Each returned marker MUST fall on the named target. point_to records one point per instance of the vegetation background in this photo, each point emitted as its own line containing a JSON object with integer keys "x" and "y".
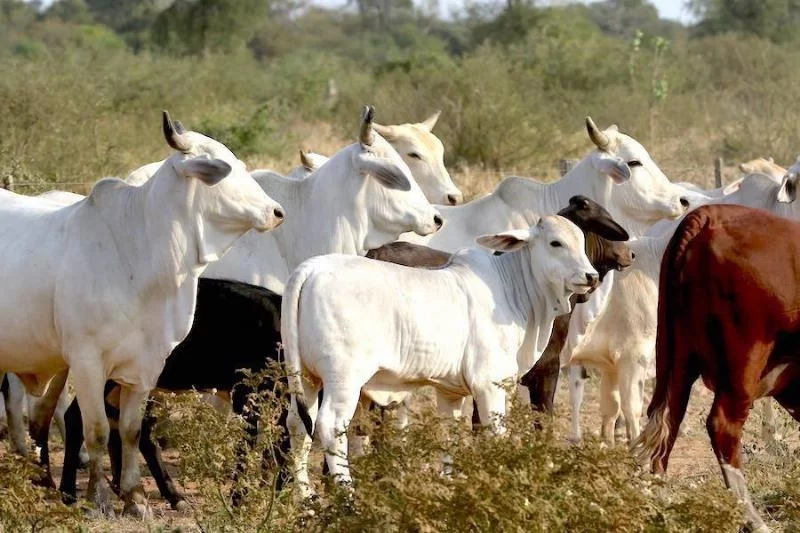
{"x": 82, "y": 83}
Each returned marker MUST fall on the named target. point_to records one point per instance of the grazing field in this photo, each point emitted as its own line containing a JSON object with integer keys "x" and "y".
{"x": 526, "y": 481}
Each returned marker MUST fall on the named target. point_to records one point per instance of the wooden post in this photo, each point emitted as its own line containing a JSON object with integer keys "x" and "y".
{"x": 565, "y": 165}
{"x": 8, "y": 183}
{"x": 718, "y": 172}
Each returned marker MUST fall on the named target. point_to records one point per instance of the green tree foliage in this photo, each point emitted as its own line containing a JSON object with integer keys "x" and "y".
{"x": 772, "y": 19}
{"x": 201, "y": 27}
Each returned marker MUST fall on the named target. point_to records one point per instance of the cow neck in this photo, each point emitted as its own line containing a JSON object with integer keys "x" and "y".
{"x": 649, "y": 251}
{"x": 530, "y": 295}
{"x": 536, "y": 199}
{"x": 322, "y": 216}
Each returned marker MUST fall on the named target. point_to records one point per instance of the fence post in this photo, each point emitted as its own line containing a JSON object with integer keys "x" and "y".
{"x": 565, "y": 165}
{"x": 718, "y": 172}
{"x": 8, "y": 183}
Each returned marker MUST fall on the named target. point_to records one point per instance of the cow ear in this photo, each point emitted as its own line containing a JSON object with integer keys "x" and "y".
{"x": 387, "y": 132}
{"x": 384, "y": 171}
{"x": 209, "y": 171}
{"x": 612, "y": 166}
{"x": 746, "y": 168}
{"x": 608, "y": 228}
{"x": 430, "y": 122}
{"x": 312, "y": 161}
{"x": 788, "y": 191}
{"x": 507, "y": 241}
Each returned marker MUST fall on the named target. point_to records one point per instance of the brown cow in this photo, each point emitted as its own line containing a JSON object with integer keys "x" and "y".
{"x": 729, "y": 312}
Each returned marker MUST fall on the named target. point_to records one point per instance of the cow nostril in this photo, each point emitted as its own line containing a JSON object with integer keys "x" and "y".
{"x": 452, "y": 199}
{"x": 684, "y": 201}
{"x": 278, "y": 213}
{"x": 438, "y": 221}
{"x": 633, "y": 255}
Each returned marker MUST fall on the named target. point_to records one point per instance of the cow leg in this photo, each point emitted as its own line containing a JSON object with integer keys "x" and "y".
{"x": 767, "y": 420}
{"x": 335, "y": 413}
{"x": 39, "y": 421}
{"x": 631, "y": 375}
{"x": 491, "y": 403}
{"x": 301, "y": 441}
{"x": 88, "y": 381}
{"x": 609, "y": 404}
{"x": 359, "y": 442}
{"x": 448, "y": 407}
{"x": 725, "y": 422}
{"x": 576, "y": 385}
{"x": 130, "y": 426}
{"x": 73, "y": 441}
{"x": 239, "y": 398}
{"x": 14, "y": 395}
{"x": 155, "y": 463}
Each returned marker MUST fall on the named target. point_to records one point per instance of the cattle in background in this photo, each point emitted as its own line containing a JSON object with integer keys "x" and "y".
{"x": 459, "y": 329}
{"x": 109, "y": 284}
{"x": 361, "y": 198}
{"x": 619, "y": 175}
{"x": 423, "y": 152}
{"x": 728, "y": 313}
{"x": 763, "y": 166}
{"x": 615, "y": 333}
{"x": 236, "y": 327}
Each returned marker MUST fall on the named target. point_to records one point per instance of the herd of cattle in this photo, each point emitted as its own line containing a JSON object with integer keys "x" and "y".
{"x": 368, "y": 285}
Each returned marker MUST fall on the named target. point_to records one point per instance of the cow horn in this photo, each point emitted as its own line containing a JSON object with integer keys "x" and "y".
{"x": 597, "y": 136}
{"x": 175, "y": 134}
{"x": 367, "y": 136}
{"x": 307, "y": 163}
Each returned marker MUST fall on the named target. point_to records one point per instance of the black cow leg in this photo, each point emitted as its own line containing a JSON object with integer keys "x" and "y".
{"x": 280, "y": 451}
{"x": 239, "y": 401}
{"x": 152, "y": 456}
{"x": 72, "y": 449}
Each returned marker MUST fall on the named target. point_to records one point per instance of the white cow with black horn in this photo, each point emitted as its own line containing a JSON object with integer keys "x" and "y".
{"x": 105, "y": 288}
{"x": 354, "y": 325}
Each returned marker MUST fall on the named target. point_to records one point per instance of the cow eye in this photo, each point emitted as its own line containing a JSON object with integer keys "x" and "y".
{"x": 555, "y": 244}
{"x": 415, "y": 155}
{"x": 634, "y": 163}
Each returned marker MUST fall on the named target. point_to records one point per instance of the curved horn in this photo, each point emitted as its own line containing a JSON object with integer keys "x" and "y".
{"x": 597, "y": 136}
{"x": 174, "y": 134}
{"x": 367, "y": 136}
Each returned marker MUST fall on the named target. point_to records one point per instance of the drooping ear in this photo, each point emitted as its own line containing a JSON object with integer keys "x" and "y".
{"x": 607, "y": 227}
{"x": 384, "y": 171}
{"x": 387, "y": 132}
{"x": 788, "y": 191}
{"x": 507, "y": 241}
{"x": 612, "y": 166}
{"x": 430, "y": 122}
{"x": 209, "y": 171}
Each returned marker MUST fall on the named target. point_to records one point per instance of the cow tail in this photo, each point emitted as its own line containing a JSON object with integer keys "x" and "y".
{"x": 290, "y": 315}
{"x": 671, "y": 374}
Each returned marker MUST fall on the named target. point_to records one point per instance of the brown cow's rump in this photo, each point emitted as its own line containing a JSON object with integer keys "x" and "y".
{"x": 729, "y": 312}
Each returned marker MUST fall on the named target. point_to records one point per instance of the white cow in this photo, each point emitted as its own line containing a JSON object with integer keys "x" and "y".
{"x": 616, "y": 329}
{"x": 105, "y": 288}
{"x": 645, "y": 198}
{"x": 615, "y": 332}
{"x": 423, "y": 152}
{"x": 353, "y": 325}
{"x": 361, "y": 198}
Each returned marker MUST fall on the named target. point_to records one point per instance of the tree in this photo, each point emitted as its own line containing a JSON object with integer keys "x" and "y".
{"x": 772, "y": 19}
{"x": 202, "y": 26}
{"x": 622, "y": 18}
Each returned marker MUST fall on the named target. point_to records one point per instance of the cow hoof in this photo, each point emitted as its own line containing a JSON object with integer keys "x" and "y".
{"x": 183, "y": 507}
{"x": 139, "y": 511}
